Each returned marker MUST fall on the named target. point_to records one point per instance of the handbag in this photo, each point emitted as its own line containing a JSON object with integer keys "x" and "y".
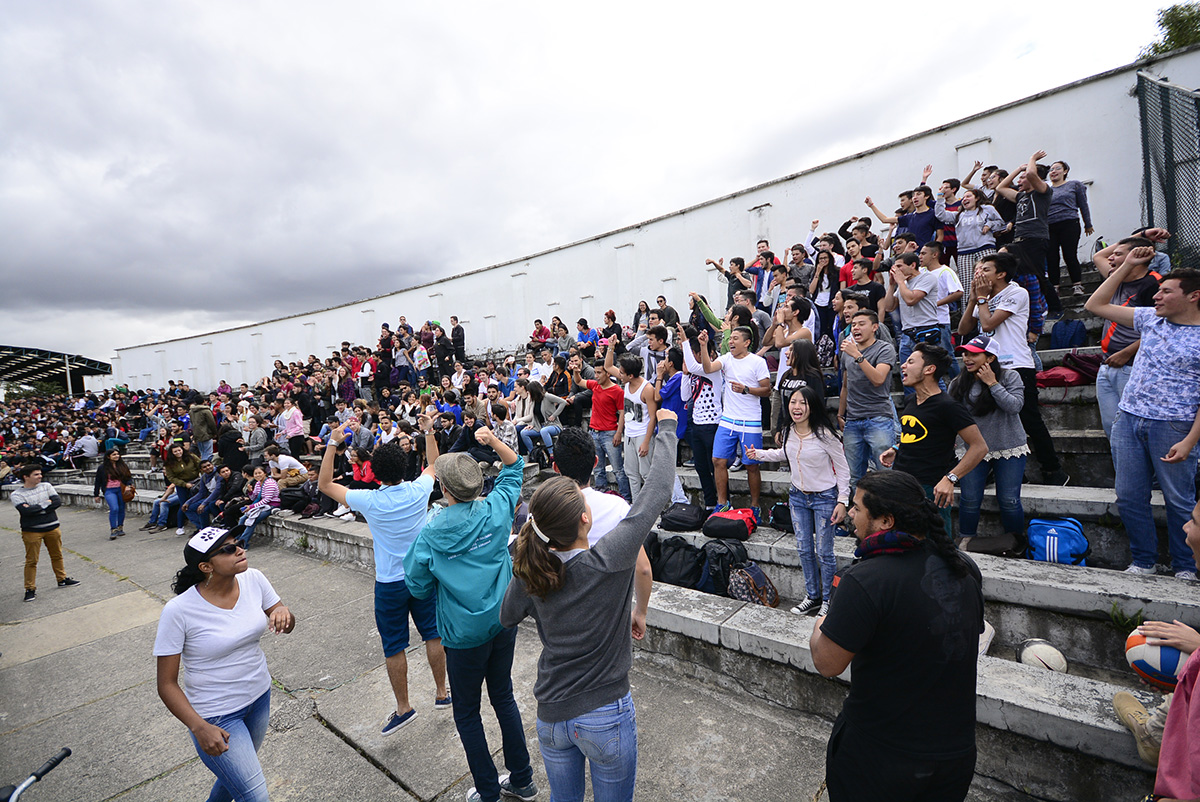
{"x": 128, "y": 492}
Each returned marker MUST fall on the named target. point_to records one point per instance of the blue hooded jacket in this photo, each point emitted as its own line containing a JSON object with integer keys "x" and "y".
{"x": 462, "y": 554}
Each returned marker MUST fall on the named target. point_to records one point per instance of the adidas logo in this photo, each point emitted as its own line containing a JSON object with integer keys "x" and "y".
{"x": 1052, "y": 531}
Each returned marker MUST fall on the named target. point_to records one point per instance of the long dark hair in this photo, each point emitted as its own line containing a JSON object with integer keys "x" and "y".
{"x": 116, "y": 470}
{"x": 804, "y": 354}
{"x": 819, "y": 422}
{"x": 555, "y": 508}
{"x": 960, "y": 390}
{"x": 832, "y": 272}
{"x": 536, "y": 393}
{"x": 899, "y": 495}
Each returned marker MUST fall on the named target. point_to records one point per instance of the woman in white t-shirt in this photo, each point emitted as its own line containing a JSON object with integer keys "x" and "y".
{"x": 212, "y": 628}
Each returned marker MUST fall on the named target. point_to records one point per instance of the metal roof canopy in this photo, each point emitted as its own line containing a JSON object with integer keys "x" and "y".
{"x": 37, "y": 364}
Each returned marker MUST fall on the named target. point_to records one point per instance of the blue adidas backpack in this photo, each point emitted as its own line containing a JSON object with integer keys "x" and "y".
{"x": 1068, "y": 334}
{"x": 1057, "y": 540}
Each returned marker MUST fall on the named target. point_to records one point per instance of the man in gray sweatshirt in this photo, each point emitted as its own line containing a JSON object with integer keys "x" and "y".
{"x": 36, "y": 502}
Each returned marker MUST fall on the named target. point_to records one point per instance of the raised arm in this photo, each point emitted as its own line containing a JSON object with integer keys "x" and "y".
{"x": 883, "y": 218}
{"x": 1100, "y": 303}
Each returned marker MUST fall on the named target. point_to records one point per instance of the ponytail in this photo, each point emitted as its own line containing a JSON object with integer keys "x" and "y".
{"x": 188, "y": 577}
{"x": 554, "y": 514}
{"x": 899, "y": 495}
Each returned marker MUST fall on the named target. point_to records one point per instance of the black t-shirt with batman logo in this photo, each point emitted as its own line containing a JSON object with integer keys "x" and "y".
{"x": 927, "y": 433}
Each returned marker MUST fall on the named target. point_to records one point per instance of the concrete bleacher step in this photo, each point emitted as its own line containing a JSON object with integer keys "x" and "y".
{"x": 1075, "y": 608}
{"x": 1094, "y": 507}
{"x": 1035, "y": 728}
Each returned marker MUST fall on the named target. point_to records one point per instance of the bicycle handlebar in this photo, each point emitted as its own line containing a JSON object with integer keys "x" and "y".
{"x": 50, "y": 764}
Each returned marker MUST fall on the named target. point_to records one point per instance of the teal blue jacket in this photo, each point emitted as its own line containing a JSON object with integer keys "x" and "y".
{"x": 462, "y": 555}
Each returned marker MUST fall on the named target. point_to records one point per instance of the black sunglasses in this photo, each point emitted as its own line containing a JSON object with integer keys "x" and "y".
{"x": 228, "y": 548}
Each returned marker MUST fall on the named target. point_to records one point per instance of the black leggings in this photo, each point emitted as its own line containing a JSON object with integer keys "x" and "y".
{"x": 1064, "y": 237}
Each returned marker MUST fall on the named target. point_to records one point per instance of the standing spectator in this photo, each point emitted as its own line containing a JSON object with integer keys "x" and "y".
{"x": 112, "y": 476}
{"x": 920, "y": 221}
{"x": 459, "y": 339}
{"x": 704, "y": 408}
{"x": 950, "y": 292}
{"x": 1068, "y": 202}
{"x": 580, "y": 596}
{"x": 608, "y": 405}
{"x": 865, "y": 409}
{"x": 204, "y": 429}
{"x": 636, "y": 427}
{"x": 36, "y": 502}
{"x": 1031, "y": 226}
{"x": 1158, "y": 424}
{"x": 747, "y": 380}
{"x": 914, "y": 292}
{"x": 1002, "y": 307}
{"x": 994, "y": 397}
{"x": 1120, "y": 343}
{"x": 975, "y": 227}
{"x": 461, "y": 555}
{"x": 908, "y": 611}
{"x": 212, "y": 629}
{"x": 819, "y": 491}
{"x": 929, "y": 423}
{"x": 293, "y": 428}
{"x": 396, "y": 513}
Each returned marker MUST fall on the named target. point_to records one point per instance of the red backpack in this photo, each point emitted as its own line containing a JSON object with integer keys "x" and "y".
{"x": 1061, "y": 376}
{"x": 732, "y": 524}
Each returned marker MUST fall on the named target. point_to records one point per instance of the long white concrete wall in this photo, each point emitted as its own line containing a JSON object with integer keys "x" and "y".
{"x": 1093, "y": 124}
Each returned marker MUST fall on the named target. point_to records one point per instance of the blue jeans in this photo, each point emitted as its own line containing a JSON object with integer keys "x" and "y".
{"x": 948, "y": 344}
{"x": 198, "y": 519}
{"x": 239, "y": 775}
{"x": 115, "y": 442}
{"x": 607, "y": 738}
{"x": 205, "y": 448}
{"x": 1009, "y": 473}
{"x": 467, "y": 670}
{"x": 1137, "y": 447}
{"x": 814, "y": 538}
{"x": 251, "y": 520}
{"x": 904, "y": 349}
{"x": 1110, "y": 386}
{"x": 547, "y": 433}
{"x": 863, "y": 440}
{"x": 144, "y": 433}
{"x": 608, "y": 454}
{"x": 160, "y": 513}
{"x": 701, "y": 436}
{"x": 116, "y": 507}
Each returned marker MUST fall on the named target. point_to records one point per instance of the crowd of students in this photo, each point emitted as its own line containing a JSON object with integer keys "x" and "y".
{"x": 965, "y": 269}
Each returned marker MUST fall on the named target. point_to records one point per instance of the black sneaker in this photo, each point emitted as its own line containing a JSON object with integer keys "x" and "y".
{"x": 30, "y": 595}
{"x": 526, "y": 793}
{"x": 1058, "y": 478}
{"x": 68, "y": 582}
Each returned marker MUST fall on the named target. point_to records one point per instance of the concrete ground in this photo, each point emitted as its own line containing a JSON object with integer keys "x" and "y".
{"x": 76, "y": 670}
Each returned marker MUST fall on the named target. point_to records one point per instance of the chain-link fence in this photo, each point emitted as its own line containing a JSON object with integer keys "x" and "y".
{"x": 1170, "y": 116}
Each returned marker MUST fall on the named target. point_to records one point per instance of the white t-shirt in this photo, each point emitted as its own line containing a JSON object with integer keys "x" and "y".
{"x": 607, "y": 511}
{"x": 224, "y": 667}
{"x": 749, "y": 370}
{"x": 948, "y": 284}
{"x": 285, "y": 463}
{"x": 1010, "y": 336}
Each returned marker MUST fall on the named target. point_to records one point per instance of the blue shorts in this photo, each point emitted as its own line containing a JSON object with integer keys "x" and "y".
{"x": 729, "y": 444}
{"x": 393, "y": 605}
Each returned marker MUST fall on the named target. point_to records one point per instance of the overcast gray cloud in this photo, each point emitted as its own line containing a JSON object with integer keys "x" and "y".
{"x": 169, "y": 168}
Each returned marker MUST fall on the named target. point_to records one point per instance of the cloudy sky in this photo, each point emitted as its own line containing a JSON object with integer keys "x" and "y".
{"x": 168, "y": 168}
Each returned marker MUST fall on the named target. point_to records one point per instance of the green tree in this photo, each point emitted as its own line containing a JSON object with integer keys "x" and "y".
{"x": 1180, "y": 26}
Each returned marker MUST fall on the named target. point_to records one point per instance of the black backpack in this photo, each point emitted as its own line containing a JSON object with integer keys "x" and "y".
{"x": 675, "y": 561}
{"x": 683, "y": 518}
{"x": 720, "y": 556}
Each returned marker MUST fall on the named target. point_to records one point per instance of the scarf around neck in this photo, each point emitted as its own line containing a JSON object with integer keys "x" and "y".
{"x": 889, "y": 541}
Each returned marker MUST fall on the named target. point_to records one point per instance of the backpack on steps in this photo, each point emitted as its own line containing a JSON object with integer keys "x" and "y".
{"x": 675, "y": 561}
{"x": 682, "y": 517}
{"x": 1068, "y": 334}
{"x": 748, "y": 583}
{"x": 718, "y": 560}
{"x": 1057, "y": 540}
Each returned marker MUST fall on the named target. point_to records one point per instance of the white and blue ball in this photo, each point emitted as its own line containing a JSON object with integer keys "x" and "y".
{"x": 1158, "y": 665}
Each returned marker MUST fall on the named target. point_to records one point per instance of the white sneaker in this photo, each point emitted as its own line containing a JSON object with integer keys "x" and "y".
{"x": 1188, "y": 575}
{"x": 286, "y": 513}
{"x": 347, "y": 517}
{"x": 1137, "y": 569}
{"x": 824, "y": 609}
{"x": 179, "y": 531}
{"x": 341, "y": 510}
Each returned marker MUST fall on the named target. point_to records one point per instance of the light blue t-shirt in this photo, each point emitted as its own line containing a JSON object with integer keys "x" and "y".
{"x": 395, "y": 514}
{"x": 1165, "y": 384}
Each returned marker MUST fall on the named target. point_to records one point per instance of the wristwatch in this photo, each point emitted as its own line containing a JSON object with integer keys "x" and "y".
{"x": 953, "y": 479}
{"x": 858, "y": 360}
